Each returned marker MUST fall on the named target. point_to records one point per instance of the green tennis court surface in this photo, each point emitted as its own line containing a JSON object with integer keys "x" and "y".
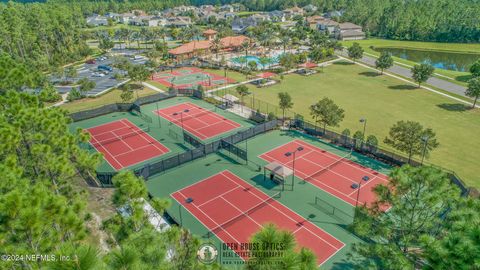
{"x": 163, "y": 131}
{"x": 325, "y": 211}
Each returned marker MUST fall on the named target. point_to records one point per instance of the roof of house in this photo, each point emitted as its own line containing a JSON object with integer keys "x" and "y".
{"x": 352, "y": 33}
{"x": 313, "y": 19}
{"x": 294, "y": 10}
{"x": 327, "y": 22}
{"x": 233, "y": 41}
{"x": 349, "y": 25}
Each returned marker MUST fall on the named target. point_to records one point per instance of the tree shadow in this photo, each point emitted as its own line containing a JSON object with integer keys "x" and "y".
{"x": 463, "y": 78}
{"x": 403, "y": 87}
{"x": 343, "y": 63}
{"x": 453, "y": 107}
{"x": 369, "y": 73}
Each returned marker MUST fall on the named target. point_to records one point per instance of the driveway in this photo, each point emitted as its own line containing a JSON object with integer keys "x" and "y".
{"x": 405, "y": 72}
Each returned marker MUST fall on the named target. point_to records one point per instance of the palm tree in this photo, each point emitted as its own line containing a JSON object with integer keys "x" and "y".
{"x": 285, "y": 39}
{"x": 265, "y": 62}
{"x": 216, "y": 45}
{"x": 242, "y": 91}
{"x": 245, "y": 46}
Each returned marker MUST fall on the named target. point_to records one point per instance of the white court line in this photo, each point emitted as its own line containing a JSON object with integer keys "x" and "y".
{"x": 149, "y": 139}
{"x": 218, "y": 196}
{"x": 287, "y": 216}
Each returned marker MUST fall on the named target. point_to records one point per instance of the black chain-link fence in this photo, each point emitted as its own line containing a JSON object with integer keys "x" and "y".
{"x": 226, "y": 143}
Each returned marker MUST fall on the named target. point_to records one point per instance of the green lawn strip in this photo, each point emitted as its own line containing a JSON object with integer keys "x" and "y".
{"x": 384, "y": 100}
{"x": 107, "y": 98}
{"x": 458, "y": 77}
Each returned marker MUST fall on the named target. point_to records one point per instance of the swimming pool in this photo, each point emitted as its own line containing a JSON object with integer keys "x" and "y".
{"x": 269, "y": 60}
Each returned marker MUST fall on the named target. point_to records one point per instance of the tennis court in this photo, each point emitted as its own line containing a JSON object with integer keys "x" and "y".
{"x": 123, "y": 144}
{"x": 233, "y": 210}
{"x": 337, "y": 175}
{"x": 198, "y": 121}
{"x": 189, "y": 77}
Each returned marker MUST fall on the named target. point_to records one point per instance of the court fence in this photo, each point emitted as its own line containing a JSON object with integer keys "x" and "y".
{"x": 226, "y": 143}
{"x": 298, "y": 122}
{"x": 119, "y": 107}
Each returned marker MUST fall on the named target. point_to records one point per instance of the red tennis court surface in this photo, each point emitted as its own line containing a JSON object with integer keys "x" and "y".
{"x": 329, "y": 172}
{"x": 234, "y": 210}
{"x": 123, "y": 144}
{"x": 200, "y": 122}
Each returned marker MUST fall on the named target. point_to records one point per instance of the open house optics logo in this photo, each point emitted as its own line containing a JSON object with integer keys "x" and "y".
{"x": 207, "y": 253}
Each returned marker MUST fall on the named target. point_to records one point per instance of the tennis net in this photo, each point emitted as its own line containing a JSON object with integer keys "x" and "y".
{"x": 330, "y": 166}
{"x": 247, "y": 212}
{"x": 184, "y": 116}
{"x": 137, "y": 132}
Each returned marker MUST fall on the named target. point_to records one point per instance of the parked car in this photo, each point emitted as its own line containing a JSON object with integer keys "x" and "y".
{"x": 104, "y": 68}
{"x": 91, "y": 61}
{"x": 98, "y": 74}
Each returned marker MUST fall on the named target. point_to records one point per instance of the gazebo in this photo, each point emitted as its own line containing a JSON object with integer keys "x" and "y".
{"x": 278, "y": 173}
{"x": 265, "y": 79}
{"x": 307, "y": 68}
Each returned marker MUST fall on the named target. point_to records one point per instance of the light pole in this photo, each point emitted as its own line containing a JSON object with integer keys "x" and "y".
{"x": 425, "y": 143}
{"x": 287, "y": 154}
{"x": 364, "y": 121}
{"x": 181, "y": 119}
{"x": 365, "y": 178}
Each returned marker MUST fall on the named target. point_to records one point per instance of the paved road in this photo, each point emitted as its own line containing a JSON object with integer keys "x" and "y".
{"x": 405, "y": 72}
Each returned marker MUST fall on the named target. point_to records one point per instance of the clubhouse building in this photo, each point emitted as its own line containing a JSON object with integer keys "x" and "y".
{"x": 201, "y": 47}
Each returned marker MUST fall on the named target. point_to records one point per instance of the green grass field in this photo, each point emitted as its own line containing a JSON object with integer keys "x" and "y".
{"x": 458, "y": 77}
{"x": 383, "y": 101}
{"x": 301, "y": 200}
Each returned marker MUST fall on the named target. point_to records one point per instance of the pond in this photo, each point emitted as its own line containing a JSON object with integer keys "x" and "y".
{"x": 438, "y": 59}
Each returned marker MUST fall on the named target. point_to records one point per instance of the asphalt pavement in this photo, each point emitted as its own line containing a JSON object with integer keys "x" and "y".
{"x": 102, "y": 84}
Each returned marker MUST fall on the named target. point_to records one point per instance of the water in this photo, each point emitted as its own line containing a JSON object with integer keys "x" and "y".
{"x": 271, "y": 60}
{"x": 438, "y": 59}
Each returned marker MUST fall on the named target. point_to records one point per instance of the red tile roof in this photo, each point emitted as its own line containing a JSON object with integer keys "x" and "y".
{"x": 210, "y": 32}
{"x": 266, "y": 75}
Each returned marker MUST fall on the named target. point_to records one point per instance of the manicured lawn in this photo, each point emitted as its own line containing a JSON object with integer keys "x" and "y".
{"x": 384, "y": 100}
{"x": 108, "y": 98}
{"x": 459, "y": 77}
{"x": 237, "y": 76}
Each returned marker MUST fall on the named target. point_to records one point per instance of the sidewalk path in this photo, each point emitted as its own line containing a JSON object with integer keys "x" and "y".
{"x": 405, "y": 72}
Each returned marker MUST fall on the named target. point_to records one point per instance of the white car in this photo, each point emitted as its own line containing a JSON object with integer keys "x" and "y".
{"x": 98, "y": 74}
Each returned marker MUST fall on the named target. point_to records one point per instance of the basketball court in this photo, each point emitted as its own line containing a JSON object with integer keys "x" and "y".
{"x": 123, "y": 144}
{"x": 190, "y": 77}
{"x": 198, "y": 121}
{"x": 339, "y": 176}
{"x": 233, "y": 210}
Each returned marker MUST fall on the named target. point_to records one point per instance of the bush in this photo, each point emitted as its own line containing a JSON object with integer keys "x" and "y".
{"x": 345, "y": 135}
{"x": 358, "y": 139}
{"x": 372, "y": 143}
{"x": 271, "y": 116}
{"x": 74, "y": 94}
{"x": 213, "y": 101}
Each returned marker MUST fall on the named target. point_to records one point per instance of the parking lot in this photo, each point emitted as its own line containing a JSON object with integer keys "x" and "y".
{"x": 103, "y": 81}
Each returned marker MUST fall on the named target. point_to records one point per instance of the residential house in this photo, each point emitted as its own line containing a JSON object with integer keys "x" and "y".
{"x": 277, "y": 16}
{"x": 334, "y": 14}
{"x": 294, "y": 11}
{"x": 139, "y": 12}
{"x": 140, "y": 20}
{"x": 240, "y": 25}
{"x": 313, "y": 20}
{"x": 327, "y": 26}
{"x": 227, "y": 8}
{"x": 125, "y": 18}
{"x": 260, "y": 17}
{"x": 227, "y": 15}
{"x": 349, "y": 31}
{"x": 97, "y": 20}
{"x": 207, "y": 8}
{"x": 180, "y": 21}
{"x": 310, "y": 8}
